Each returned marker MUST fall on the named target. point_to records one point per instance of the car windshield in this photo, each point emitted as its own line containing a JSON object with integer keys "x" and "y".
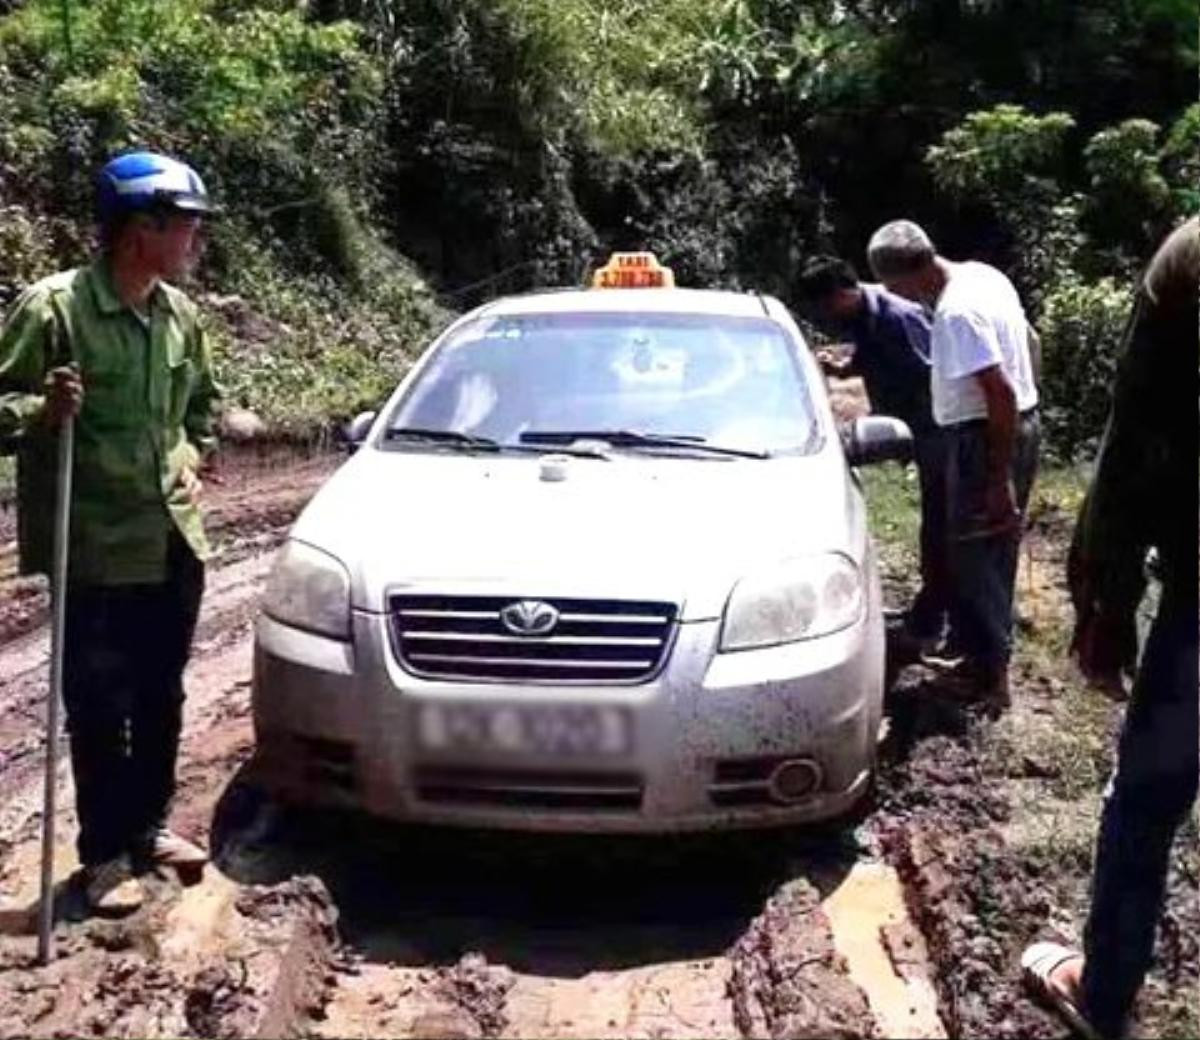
{"x": 517, "y": 379}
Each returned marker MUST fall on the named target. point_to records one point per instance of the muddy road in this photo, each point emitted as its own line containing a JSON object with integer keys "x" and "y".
{"x": 907, "y": 922}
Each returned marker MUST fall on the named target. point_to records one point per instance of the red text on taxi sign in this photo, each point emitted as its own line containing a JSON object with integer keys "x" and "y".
{"x": 633, "y": 271}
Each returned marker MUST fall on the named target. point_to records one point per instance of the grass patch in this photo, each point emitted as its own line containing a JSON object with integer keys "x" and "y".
{"x": 893, "y": 496}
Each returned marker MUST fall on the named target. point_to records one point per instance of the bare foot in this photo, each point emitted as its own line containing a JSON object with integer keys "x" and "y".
{"x": 1067, "y": 977}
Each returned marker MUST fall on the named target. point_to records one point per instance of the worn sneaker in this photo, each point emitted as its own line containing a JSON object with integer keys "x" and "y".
{"x": 945, "y": 660}
{"x": 111, "y": 888}
{"x": 171, "y": 850}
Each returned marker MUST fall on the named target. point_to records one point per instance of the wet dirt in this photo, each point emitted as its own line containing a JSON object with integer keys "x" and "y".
{"x": 884, "y": 951}
{"x": 789, "y": 980}
{"x": 951, "y": 791}
{"x": 508, "y": 935}
{"x": 974, "y": 902}
{"x": 260, "y": 974}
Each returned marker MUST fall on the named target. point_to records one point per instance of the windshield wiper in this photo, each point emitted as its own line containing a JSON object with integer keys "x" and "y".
{"x": 471, "y": 442}
{"x": 451, "y": 438}
{"x": 637, "y": 439}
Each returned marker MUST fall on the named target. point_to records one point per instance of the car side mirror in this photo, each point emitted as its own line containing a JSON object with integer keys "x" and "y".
{"x": 877, "y": 438}
{"x": 355, "y": 431}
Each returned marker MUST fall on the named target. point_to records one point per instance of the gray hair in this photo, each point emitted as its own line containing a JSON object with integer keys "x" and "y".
{"x": 900, "y": 247}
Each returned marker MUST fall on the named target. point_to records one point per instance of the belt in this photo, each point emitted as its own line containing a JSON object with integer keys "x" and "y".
{"x": 969, "y": 424}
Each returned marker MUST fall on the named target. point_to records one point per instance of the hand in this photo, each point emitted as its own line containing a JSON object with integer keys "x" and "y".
{"x": 191, "y": 483}
{"x": 1103, "y": 648}
{"x": 830, "y": 363}
{"x": 1000, "y": 506}
{"x": 64, "y": 395}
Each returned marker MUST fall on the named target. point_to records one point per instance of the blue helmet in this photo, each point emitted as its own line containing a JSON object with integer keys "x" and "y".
{"x": 141, "y": 182}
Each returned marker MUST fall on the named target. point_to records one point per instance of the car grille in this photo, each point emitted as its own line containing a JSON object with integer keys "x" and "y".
{"x": 595, "y": 641}
{"x": 594, "y": 792}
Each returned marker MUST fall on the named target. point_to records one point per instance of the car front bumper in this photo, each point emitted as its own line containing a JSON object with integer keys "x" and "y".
{"x": 338, "y": 724}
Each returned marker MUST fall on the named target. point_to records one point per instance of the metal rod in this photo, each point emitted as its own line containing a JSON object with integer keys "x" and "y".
{"x": 58, "y": 595}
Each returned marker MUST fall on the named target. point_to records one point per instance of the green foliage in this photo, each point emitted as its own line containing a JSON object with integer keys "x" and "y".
{"x": 1081, "y": 328}
{"x": 280, "y": 112}
{"x": 216, "y": 67}
{"x": 27, "y": 248}
{"x": 1129, "y": 199}
{"x": 1001, "y": 155}
{"x": 1181, "y": 160}
{"x": 1009, "y": 161}
{"x": 507, "y": 144}
{"x": 302, "y": 350}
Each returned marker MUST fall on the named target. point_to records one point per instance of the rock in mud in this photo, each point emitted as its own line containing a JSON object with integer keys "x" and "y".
{"x": 240, "y": 425}
{"x": 480, "y": 990}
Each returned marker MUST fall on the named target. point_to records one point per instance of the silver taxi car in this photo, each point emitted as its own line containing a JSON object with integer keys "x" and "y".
{"x": 601, "y": 562}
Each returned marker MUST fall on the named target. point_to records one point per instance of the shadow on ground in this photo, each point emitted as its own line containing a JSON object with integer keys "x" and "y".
{"x": 551, "y": 905}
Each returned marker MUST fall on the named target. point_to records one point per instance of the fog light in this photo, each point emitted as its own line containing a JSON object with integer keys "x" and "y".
{"x": 794, "y": 780}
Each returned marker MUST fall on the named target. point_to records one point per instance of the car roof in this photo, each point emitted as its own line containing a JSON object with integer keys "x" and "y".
{"x": 615, "y": 301}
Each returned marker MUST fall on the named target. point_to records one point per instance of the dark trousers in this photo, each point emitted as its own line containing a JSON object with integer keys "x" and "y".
{"x": 1149, "y": 795}
{"x": 931, "y": 606}
{"x": 127, "y": 646}
{"x": 984, "y": 569}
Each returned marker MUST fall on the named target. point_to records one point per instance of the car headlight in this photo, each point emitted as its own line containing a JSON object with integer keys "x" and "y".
{"x": 799, "y": 599}
{"x": 309, "y": 589}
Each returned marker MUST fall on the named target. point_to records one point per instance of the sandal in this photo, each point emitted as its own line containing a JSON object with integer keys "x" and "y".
{"x": 1037, "y": 964}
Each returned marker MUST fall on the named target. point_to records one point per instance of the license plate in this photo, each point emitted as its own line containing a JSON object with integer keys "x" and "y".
{"x": 536, "y": 729}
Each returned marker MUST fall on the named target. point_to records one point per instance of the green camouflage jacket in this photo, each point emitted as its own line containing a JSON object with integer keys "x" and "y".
{"x": 148, "y": 412}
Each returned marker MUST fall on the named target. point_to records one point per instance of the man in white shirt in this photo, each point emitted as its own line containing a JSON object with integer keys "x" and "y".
{"x": 985, "y": 395}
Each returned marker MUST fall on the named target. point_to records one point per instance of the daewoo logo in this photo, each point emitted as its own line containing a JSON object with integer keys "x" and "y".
{"x": 529, "y": 617}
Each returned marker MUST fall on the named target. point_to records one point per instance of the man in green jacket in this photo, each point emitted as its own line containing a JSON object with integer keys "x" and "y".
{"x": 115, "y": 347}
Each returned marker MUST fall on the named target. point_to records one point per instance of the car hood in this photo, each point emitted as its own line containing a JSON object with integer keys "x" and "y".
{"x": 679, "y": 529}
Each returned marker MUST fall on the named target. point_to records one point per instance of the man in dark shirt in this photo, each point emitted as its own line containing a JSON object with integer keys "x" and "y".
{"x": 891, "y": 353}
{"x": 1144, "y": 495}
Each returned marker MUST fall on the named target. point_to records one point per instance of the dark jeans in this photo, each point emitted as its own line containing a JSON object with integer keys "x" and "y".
{"x": 1149, "y": 795}
{"x": 930, "y": 607}
{"x": 127, "y": 646}
{"x": 984, "y": 569}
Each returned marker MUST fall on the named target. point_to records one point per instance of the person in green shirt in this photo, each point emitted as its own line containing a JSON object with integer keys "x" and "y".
{"x": 114, "y": 346}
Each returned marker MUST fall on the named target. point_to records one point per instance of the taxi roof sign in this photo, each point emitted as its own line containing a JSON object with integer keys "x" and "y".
{"x": 633, "y": 271}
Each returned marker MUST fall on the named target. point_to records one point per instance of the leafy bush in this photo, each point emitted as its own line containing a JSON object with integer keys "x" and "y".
{"x": 31, "y": 245}
{"x": 306, "y": 350}
{"x": 1081, "y": 327}
{"x": 1129, "y": 201}
{"x": 280, "y": 112}
{"x": 1181, "y": 160}
{"x": 507, "y": 144}
{"x": 1010, "y": 161}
